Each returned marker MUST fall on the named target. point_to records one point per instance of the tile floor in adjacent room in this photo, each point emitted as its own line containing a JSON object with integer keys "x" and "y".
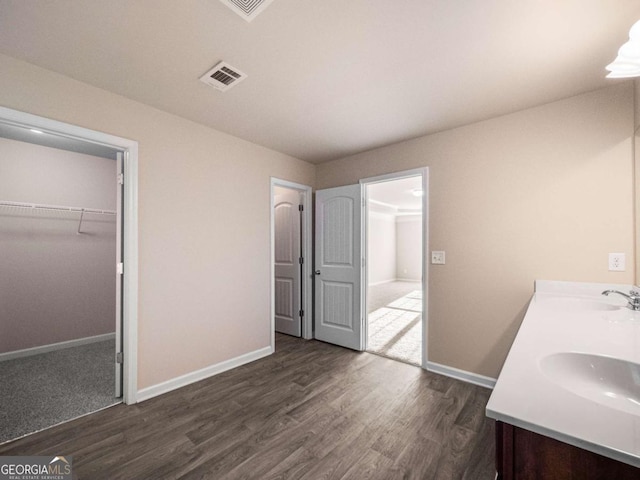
{"x": 394, "y": 327}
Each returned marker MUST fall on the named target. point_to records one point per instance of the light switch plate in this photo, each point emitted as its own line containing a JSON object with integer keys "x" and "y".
{"x": 437, "y": 257}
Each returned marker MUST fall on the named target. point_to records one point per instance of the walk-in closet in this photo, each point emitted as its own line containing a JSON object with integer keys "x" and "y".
{"x": 58, "y": 279}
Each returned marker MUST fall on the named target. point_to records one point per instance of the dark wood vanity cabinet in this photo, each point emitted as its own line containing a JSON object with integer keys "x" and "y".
{"x": 524, "y": 455}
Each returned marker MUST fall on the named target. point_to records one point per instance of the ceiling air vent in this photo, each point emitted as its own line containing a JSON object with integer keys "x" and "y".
{"x": 223, "y": 76}
{"x": 247, "y": 9}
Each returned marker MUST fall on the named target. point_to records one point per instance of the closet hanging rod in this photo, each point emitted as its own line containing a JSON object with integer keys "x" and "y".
{"x": 58, "y": 208}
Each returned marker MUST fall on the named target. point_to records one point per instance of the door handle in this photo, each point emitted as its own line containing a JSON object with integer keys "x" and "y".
{"x": 317, "y": 272}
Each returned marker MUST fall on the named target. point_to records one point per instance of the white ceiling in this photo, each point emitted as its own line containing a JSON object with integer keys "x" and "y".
{"x": 397, "y": 193}
{"x": 328, "y": 78}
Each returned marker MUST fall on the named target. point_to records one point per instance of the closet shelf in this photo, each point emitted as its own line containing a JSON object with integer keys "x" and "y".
{"x": 57, "y": 208}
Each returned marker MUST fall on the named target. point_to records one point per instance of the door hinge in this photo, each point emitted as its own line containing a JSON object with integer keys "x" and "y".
{"x": 301, "y": 312}
{"x": 121, "y": 179}
{"x": 301, "y": 208}
{"x": 301, "y": 260}
{"x": 120, "y": 268}
{"x": 119, "y": 357}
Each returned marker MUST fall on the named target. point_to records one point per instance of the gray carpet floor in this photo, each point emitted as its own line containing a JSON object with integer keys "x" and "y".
{"x": 43, "y": 390}
{"x": 379, "y": 296}
{"x": 394, "y": 327}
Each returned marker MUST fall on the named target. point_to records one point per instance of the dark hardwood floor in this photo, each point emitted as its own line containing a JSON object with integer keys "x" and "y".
{"x": 310, "y": 411}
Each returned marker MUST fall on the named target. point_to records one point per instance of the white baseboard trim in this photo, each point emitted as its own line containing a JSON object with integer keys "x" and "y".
{"x": 210, "y": 371}
{"x": 413, "y": 280}
{"x": 382, "y": 282}
{"x": 27, "y": 352}
{"x": 463, "y": 375}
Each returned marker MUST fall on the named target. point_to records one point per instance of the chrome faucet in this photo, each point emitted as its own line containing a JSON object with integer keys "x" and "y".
{"x": 633, "y": 297}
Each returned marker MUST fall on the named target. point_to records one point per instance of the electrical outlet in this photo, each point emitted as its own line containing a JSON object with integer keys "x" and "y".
{"x": 437, "y": 257}
{"x": 616, "y": 262}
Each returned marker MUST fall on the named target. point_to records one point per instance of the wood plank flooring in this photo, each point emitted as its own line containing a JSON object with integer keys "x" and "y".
{"x": 310, "y": 411}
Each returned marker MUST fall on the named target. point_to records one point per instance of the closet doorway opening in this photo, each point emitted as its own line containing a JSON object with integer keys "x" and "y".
{"x": 66, "y": 316}
{"x": 291, "y": 283}
{"x": 394, "y": 242}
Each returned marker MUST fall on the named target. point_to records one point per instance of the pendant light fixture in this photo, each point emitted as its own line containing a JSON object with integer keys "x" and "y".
{"x": 627, "y": 63}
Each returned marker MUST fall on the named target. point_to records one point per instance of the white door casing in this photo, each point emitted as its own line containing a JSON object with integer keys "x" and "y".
{"x": 306, "y": 199}
{"x": 424, "y": 174}
{"x": 287, "y": 266}
{"x": 119, "y": 180}
{"x": 338, "y": 266}
{"x": 129, "y": 223}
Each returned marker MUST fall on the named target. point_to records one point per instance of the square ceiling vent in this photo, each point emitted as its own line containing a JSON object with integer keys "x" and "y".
{"x": 247, "y": 9}
{"x": 223, "y": 76}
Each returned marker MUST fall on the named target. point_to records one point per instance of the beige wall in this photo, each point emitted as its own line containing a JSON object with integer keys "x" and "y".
{"x": 409, "y": 243}
{"x": 636, "y": 87}
{"x": 636, "y": 119}
{"x": 277, "y": 190}
{"x": 55, "y": 285}
{"x": 204, "y": 258}
{"x": 544, "y": 193}
{"x": 381, "y": 249}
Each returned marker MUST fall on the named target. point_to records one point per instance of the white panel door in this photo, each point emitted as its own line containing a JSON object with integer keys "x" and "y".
{"x": 338, "y": 308}
{"x": 118, "y": 352}
{"x": 288, "y": 269}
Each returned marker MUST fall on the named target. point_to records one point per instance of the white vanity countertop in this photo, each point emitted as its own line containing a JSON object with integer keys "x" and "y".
{"x": 566, "y": 317}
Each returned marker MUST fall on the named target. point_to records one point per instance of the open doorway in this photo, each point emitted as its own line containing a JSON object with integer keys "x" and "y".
{"x": 342, "y": 262}
{"x": 69, "y": 312}
{"x": 59, "y": 229}
{"x": 394, "y": 273}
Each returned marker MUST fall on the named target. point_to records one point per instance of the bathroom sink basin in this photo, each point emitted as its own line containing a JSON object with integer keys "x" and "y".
{"x": 573, "y": 304}
{"x": 605, "y": 380}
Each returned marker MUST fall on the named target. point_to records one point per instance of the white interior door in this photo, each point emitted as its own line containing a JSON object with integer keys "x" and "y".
{"x": 288, "y": 266}
{"x": 118, "y": 352}
{"x": 338, "y": 304}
